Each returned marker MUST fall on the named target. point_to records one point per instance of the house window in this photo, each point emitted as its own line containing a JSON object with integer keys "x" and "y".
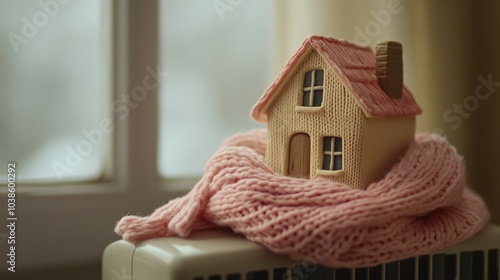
{"x": 313, "y": 88}
{"x": 332, "y": 153}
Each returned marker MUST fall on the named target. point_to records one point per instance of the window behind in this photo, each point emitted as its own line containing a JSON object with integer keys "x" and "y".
{"x": 217, "y": 54}
{"x": 52, "y": 96}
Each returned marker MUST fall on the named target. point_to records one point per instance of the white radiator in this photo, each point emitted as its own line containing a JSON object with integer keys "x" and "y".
{"x": 222, "y": 255}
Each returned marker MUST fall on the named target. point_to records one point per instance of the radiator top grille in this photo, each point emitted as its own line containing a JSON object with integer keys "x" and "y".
{"x": 471, "y": 265}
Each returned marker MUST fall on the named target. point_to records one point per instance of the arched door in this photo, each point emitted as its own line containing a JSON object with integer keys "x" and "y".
{"x": 299, "y": 155}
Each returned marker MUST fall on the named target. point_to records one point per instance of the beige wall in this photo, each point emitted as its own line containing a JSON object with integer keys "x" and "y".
{"x": 458, "y": 47}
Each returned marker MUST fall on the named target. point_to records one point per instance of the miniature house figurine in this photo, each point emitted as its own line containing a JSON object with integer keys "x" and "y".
{"x": 338, "y": 111}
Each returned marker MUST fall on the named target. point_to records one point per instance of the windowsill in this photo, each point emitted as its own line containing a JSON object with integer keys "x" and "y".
{"x": 62, "y": 189}
{"x": 303, "y": 109}
{"x": 174, "y": 187}
{"x": 329, "y": 172}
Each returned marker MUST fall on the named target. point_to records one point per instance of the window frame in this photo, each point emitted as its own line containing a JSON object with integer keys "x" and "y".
{"x": 332, "y": 153}
{"x": 300, "y": 108}
{"x": 312, "y": 87}
{"x": 72, "y": 222}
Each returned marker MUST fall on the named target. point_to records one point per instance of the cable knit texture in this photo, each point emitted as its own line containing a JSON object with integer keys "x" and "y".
{"x": 421, "y": 205}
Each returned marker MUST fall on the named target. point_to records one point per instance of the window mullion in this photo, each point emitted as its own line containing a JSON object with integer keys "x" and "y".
{"x": 143, "y": 121}
{"x": 120, "y": 77}
{"x": 135, "y": 97}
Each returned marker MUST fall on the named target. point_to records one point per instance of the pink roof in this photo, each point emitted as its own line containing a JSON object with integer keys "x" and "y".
{"x": 356, "y": 66}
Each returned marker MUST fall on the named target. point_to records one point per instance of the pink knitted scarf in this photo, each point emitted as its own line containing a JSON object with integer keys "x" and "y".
{"x": 420, "y": 206}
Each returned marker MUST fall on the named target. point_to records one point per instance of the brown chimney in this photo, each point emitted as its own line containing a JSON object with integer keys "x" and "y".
{"x": 390, "y": 68}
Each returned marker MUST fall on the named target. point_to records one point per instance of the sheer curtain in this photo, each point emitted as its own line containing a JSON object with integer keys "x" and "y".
{"x": 451, "y": 64}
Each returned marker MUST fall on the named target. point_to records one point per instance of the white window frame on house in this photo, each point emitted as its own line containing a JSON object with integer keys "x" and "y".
{"x": 333, "y": 152}
{"x": 67, "y": 223}
{"x": 312, "y": 88}
{"x": 300, "y": 107}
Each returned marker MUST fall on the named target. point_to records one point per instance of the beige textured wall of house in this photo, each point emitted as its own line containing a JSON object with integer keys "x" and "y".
{"x": 384, "y": 141}
{"x": 340, "y": 117}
